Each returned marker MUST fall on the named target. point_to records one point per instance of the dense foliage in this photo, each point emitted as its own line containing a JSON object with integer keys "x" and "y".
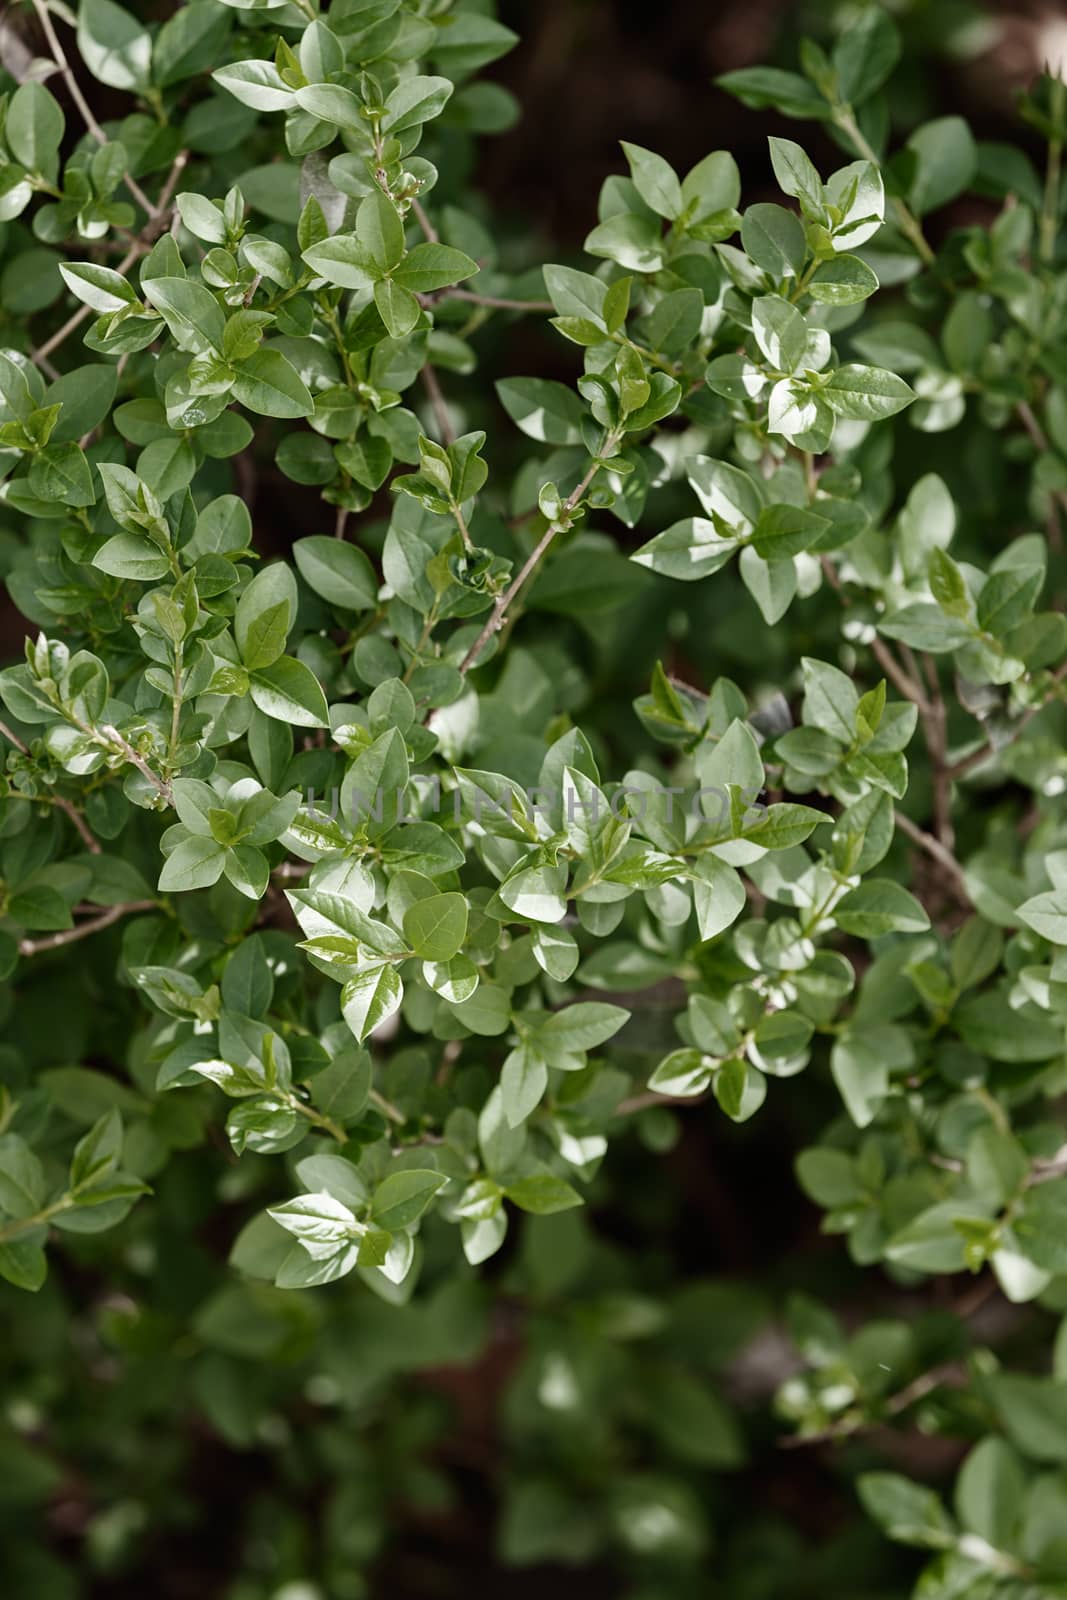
{"x": 363, "y": 919}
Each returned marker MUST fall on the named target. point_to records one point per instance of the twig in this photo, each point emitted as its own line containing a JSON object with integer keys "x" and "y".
{"x": 340, "y": 522}
{"x": 496, "y": 616}
{"x": 440, "y": 406}
{"x": 909, "y": 224}
{"x": 649, "y": 1097}
{"x": 935, "y": 728}
{"x": 40, "y": 355}
{"x": 82, "y": 104}
{"x": 424, "y": 222}
{"x": 937, "y": 850}
{"x": 909, "y": 687}
{"x": 1050, "y": 201}
{"x": 959, "y": 769}
{"x": 1046, "y": 1170}
{"x": 953, "y": 1372}
{"x": 112, "y": 734}
{"x": 60, "y": 801}
{"x": 14, "y": 739}
{"x": 499, "y": 302}
{"x": 53, "y": 941}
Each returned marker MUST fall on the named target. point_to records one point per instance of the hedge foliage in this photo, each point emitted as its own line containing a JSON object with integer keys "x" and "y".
{"x": 379, "y": 903}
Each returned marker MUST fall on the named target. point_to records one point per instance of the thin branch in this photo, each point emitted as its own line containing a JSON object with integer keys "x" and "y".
{"x": 938, "y": 851}
{"x": 58, "y": 800}
{"x": 935, "y": 729}
{"x": 177, "y": 168}
{"x": 499, "y": 302}
{"x": 950, "y": 1372}
{"x": 53, "y": 941}
{"x": 909, "y": 688}
{"x": 960, "y": 769}
{"x": 496, "y": 616}
{"x": 82, "y": 104}
{"x": 440, "y": 406}
{"x": 13, "y": 738}
{"x": 649, "y": 1097}
{"x": 424, "y": 222}
{"x": 112, "y": 734}
{"x": 139, "y": 248}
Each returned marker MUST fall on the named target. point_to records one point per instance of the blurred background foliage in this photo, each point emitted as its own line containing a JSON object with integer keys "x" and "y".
{"x": 595, "y": 1415}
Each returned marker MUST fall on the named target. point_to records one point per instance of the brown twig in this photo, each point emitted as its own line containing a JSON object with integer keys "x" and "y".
{"x": 153, "y": 226}
{"x": 53, "y": 941}
{"x": 440, "y": 406}
{"x": 60, "y": 801}
{"x": 935, "y": 730}
{"x": 950, "y": 1372}
{"x": 499, "y": 302}
{"x": 60, "y": 57}
{"x": 938, "y": 851}
{"x": 112, "y": 734}
{"x": 496, "y": 616}
{"x": 960, "y": 769}
{"x": 424, "y": 222}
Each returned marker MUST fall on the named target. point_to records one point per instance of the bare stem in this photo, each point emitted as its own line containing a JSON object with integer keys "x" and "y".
{"x": 53, "y": 941}
{"x": 40, "y": 356}
{"x": 80, "y": 101}
{"x": 496, "y": 616}
{"x": 437, "y": 400}
{"x": 909, "y": 224}
{"x": 60, "y": 801}
{"x": 499, "y": 302}
{"x": 112, "y": 735}
{"x": 938, "y": 851}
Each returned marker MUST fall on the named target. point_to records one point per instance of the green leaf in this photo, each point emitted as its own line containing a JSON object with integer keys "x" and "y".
{"x": 433, "y": 266}
{"x": 631, "y": 240}
{"x": 437, "y": 926}
{"x": 774, "y": 238}
{"x": 399, "y": 309}
{"x": 290, "y": 692}
{"x": 1047, "y": 915}
{"x": 415, "y": 101}
{"x": 380, "y": 230}
{"x": 402, "y": 1197}
{"x": 34, "y": 128}
{"x": 945, "y": 161}
{"x": 865, "y": 54}
{"x": 788, "y": 92}
{"x": 655, "y": 181}
{"x": 796, "y": 175}
{"x": 190, "y": 311}
{"x": 270, "y": 385}
{"x": 543, "y": 409}
{"x": 844, "y": 281}
{"x": 264, "y": 616}
{"x": 718, "y": 895}
{"x": 113, "y": 44}
{"x": 880, "y": 906}
{"x": 866, "y": 394}
{"x": 369, "y": 998}
{"x": 907, "y": 1512}
{"x": 337, "y": 571}
{"x": 344, "y": 261}
{"x": 194, "y": 864}
{"x": 582, "y": 1026}
{"x": 543, "y": 1194}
